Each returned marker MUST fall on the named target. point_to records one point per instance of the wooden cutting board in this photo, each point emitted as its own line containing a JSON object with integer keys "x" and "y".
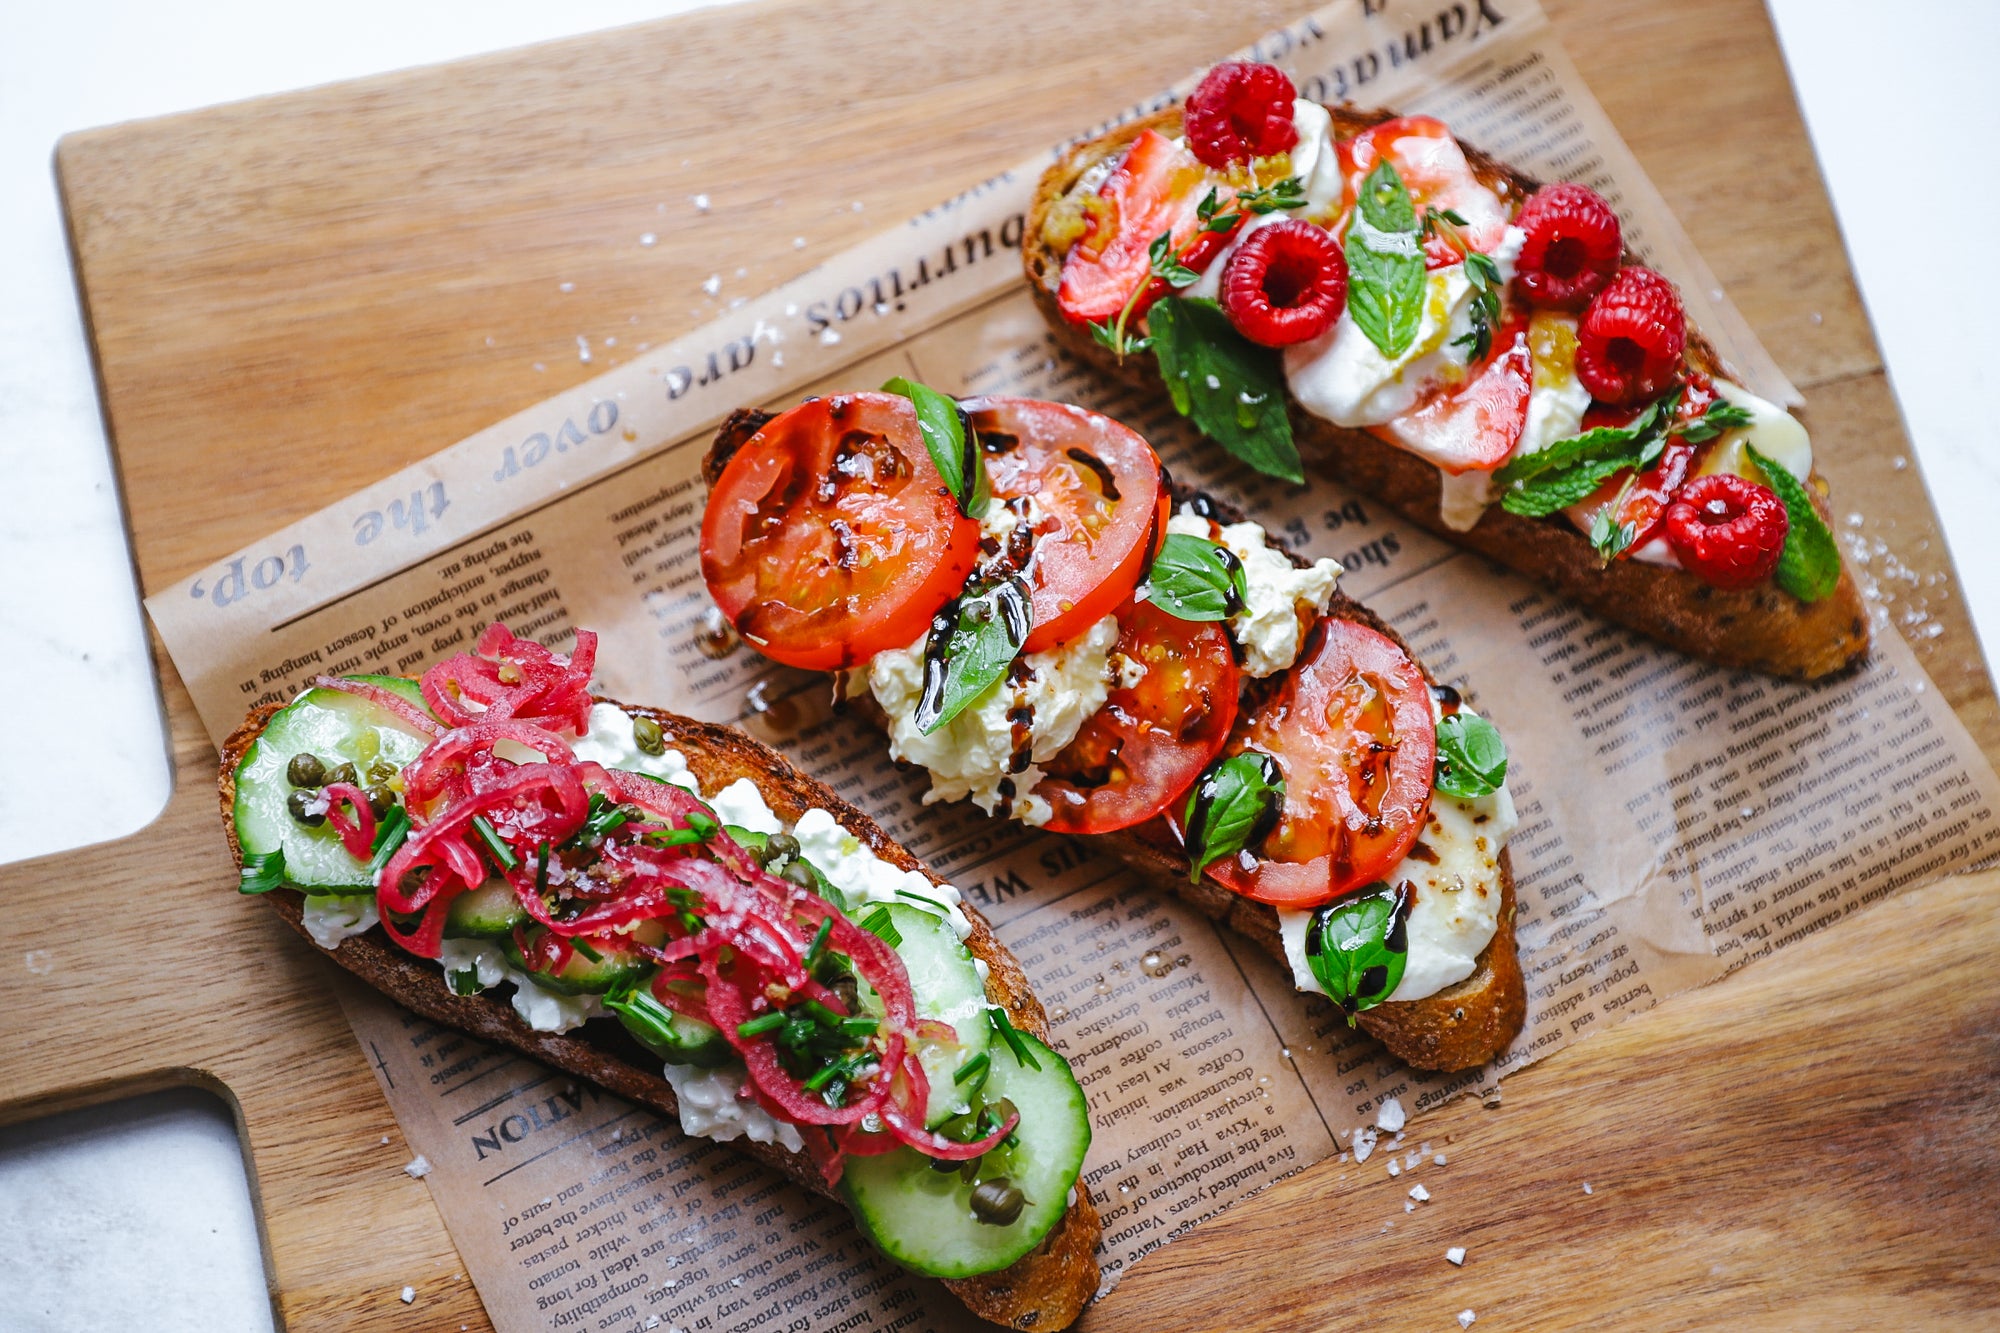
{"x": 289, "y": 295}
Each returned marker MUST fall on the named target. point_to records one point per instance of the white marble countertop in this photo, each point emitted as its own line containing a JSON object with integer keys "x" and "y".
{"x": 76, "y": 644}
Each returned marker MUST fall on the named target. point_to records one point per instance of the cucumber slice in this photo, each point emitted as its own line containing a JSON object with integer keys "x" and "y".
{"x": 338, "y": 728}
{"x": 947, "y": 988}
{"x": 922, "y": 1218}
{"x": 674, "y": 1037}
{"x": 612, "y": 969}
{"x": 489, "y": 912}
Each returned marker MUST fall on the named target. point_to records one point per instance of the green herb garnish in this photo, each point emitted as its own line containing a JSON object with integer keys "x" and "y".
{"x": 1004, "y": 1027}
{"x": 1234, "y": 804}
{"x": 1232, "y": 389}
{"x": 1196, "y": 579}
{"x": 972, "y": 643}
{"x": 878, "y": 924}
{"x": 390, "y": 834}
{"x": 1809, "y": 564}
{"x": 1357, "y": 949}
{"x": 1385, "y": 263}
{"x": 1471, "y": 757}
{"x": 503, "y": 855}
{"x": 262, "y": 871}
{"x": 953, "y": 444}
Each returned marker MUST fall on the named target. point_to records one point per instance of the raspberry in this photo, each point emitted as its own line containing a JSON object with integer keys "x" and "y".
{"x": 1240, "y": 111}
{"x": 1629, "y": 343}
{"x": 1727, "y": 529}
{"x": 1286, "y": 283}
{"x": 1572, "y": 246}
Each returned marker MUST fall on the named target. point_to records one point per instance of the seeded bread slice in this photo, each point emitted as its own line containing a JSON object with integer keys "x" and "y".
{"x": 1464, "y": 1025}
{"x": 1045, "y": 1290}
{"x": 1761, "y": 628}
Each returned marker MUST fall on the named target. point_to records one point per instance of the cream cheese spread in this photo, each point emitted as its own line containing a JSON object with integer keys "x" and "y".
{"x": 1267, "y": 627}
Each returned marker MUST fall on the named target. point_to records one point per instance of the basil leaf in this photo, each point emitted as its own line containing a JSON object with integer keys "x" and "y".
{"x": 954, "y": 445}
{"x": 262, "y": 871}
{"x": 972, "y": 643}
{"x": 1471, "y": 757}
{"x": 1809, "y": 565}
{"x": 1385, "y": 263}
{"x": 1232, "y": 389}
{"x": 1357, "y": 949}
{"x": 1234, "y": 804}
{"x": 1196, "y": 579}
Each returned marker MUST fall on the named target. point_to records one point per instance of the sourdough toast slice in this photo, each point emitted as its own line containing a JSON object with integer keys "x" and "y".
{"x": 1464, "y": 1025}
{"x": 1761, "y": 628}
{"x": 1045, "y": 1290}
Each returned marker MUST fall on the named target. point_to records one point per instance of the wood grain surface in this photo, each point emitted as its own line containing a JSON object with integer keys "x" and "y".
{"x": 290, "y": 295}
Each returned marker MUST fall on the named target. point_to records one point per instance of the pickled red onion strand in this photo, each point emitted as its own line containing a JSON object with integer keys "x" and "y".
{"x": 386, "y": 700}
{"x": 357, "y": 835}
{"x": 427, "y": 941}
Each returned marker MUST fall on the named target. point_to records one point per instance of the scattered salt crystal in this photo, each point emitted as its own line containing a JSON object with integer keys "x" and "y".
{"x": 1409, "y": 1207}
{"x": 1465, "y": 1317}
{"x": 583, "y": 349}
{"x": 1437, "y": 1159}
{"x": 1420, "y": 1194}
{"x": 1390, "y": 1116}
{"x": 1455, "y": 1255}
{"x": 1214, "y": 383}
{"x": 701, "y": 203}
{"x": 857, "y": 205}
{"x": 1411, "y": 1159}
{"x": 791, "y": 309}
{"x": 647, "y": 238}
{"x": 777, "y": 358}
{"x": 408, "y": 1295}
{"x": 565, "y": 286}
{"x": 385, "y": 1140}
{"x": 736, "y": 1282}
{"x": 829, "y": 337}
{"x": 419, "y": 1167}
{"x": 489, "y": 340}
{"x": 1586, "y": 1187}
{"x": 1364, "y": 1143}
{"x": 798, "y": 242}
{"x": 713, "y": 284}
{"x": 1395, "y": 1167}
{"x": 652, "y": 1321}
{"x": 1815, "y": 316}
{"x": 540, "y": 368}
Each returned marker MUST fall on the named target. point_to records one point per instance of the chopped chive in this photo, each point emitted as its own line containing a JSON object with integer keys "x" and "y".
{"x": 818, "y": 946}
{"x": 390, "y": 835}
{"x": 262, "y": 871}
{"x": 877, "y": 923}
{"x": 583, "y": 947}
{"x": 942, "y": 909}
{"x": 541, "y": 869}
{"x": 858, "y": 1026}
{"x": 704, "y": 826}
{"x": 503, "y": 855}
{"x": 976, "y": 1067}
{"x": 1012, "y": 1036}
{"x": 677, "y": 837}
{"x": 690, "y": 922}
{"x": 758, "y": 1026}
{"x": 819, "y": 1013}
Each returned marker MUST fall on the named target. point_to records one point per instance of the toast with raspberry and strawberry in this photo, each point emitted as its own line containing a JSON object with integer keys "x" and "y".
{"x": 1426, "y": 325}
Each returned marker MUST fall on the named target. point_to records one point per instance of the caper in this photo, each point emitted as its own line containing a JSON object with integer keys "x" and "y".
{"x": 781, "y": 847}
{"x": 1003, "y": 1111}
{"x": 997, "y": 1202}
{"x": 799, "y": 873}
{"x": 380, "y": 800}
{"x": 305, "y": 770}
{"x": 968, "y": 1170}
{"x": 301, "y": 804}
{"x": 944, "y": 1165}
{"x": 380, "y": 772}
{"x": 344, "y": 773}
{"x": 646, "y": 735}
{"x": 849, "y": 992}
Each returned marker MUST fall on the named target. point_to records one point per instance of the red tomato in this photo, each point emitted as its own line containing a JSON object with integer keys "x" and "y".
{"x": 830, "y": 536}
{"x": 1155, "y": 189}
{"x": 1148, "y": 744}
{"x": 1103, "y": 499}
{"x": 1435, "y": 172}
{"x": 1352, "y": 729}
{"x": 1478, "y": 423}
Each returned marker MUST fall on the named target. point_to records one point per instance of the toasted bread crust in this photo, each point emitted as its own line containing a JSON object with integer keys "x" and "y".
{"x": 1759, "y": 628}
{"x": 1045, "y": 1290}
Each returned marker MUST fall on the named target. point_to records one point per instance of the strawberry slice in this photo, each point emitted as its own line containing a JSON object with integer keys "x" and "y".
{"x": 1157, "y": 188}
{"x": 1645, "y": 504}
{"x": 1436, "y": 174}
{"x": 1474, "y": 425}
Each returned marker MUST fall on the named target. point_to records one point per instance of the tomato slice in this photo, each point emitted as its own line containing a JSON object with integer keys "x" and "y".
{"x": 830, "y": 536}
{"x": 1435, "y": 172}
{"x": 1103, "y": 502}
{"x": 1148, "y": 744}
{"x": 1157, "y": 188}
{"x": 1353, "y": 731}
{"x": 1478, "y": 423}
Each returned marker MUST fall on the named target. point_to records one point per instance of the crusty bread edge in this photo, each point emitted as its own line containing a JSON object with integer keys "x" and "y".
{"x": 1760, "y": 628}
{"x": 1047, "y": 1289}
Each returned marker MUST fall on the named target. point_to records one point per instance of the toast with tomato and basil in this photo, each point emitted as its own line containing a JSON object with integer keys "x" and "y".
{"x": 667, "y": 908}
{"x": 1016, "y": 594}
{"x": 1360, "y": 292}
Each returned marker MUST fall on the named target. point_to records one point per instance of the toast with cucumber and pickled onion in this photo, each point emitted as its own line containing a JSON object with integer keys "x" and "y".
{"x": 669, "y": 909}
{"x": 1360, "y": 292}
{"x": 1033, "y": 614}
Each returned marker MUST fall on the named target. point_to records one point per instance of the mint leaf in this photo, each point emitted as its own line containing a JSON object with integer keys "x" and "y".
{"x": 1809, "y": 565}
{"x": 262, "y": 871}
{"x": 1358, "y": 949}
{"x": 972, "y": 643}
{"x": 1196, "y": 579}
{"x": 1566, "y": 472}
{"x": 1232, "y": 389}
{"x": 953, "y": 444}
{"x": 1165, "y": 264}
{"x": 1471, "y": 757}
{"x": 1385, "y": 263}
{"x": 1721, "y": 415}
{"x": 1609, "y": 539}
{"x": 1557, "y": 491}
{"x": 1234, "y": 804}
{"x": 1602, "y": 442}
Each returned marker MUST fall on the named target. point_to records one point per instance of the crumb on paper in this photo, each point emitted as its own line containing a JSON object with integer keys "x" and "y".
{"x": 408, "y": 1295}
{"x": 1420, "y": 1194}
{"x": 1389, "y": 1117}
{"x": 418, "y": 1167}
{"x": 1455, "y": 1256}
{"x": 1466, "y": 1318}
